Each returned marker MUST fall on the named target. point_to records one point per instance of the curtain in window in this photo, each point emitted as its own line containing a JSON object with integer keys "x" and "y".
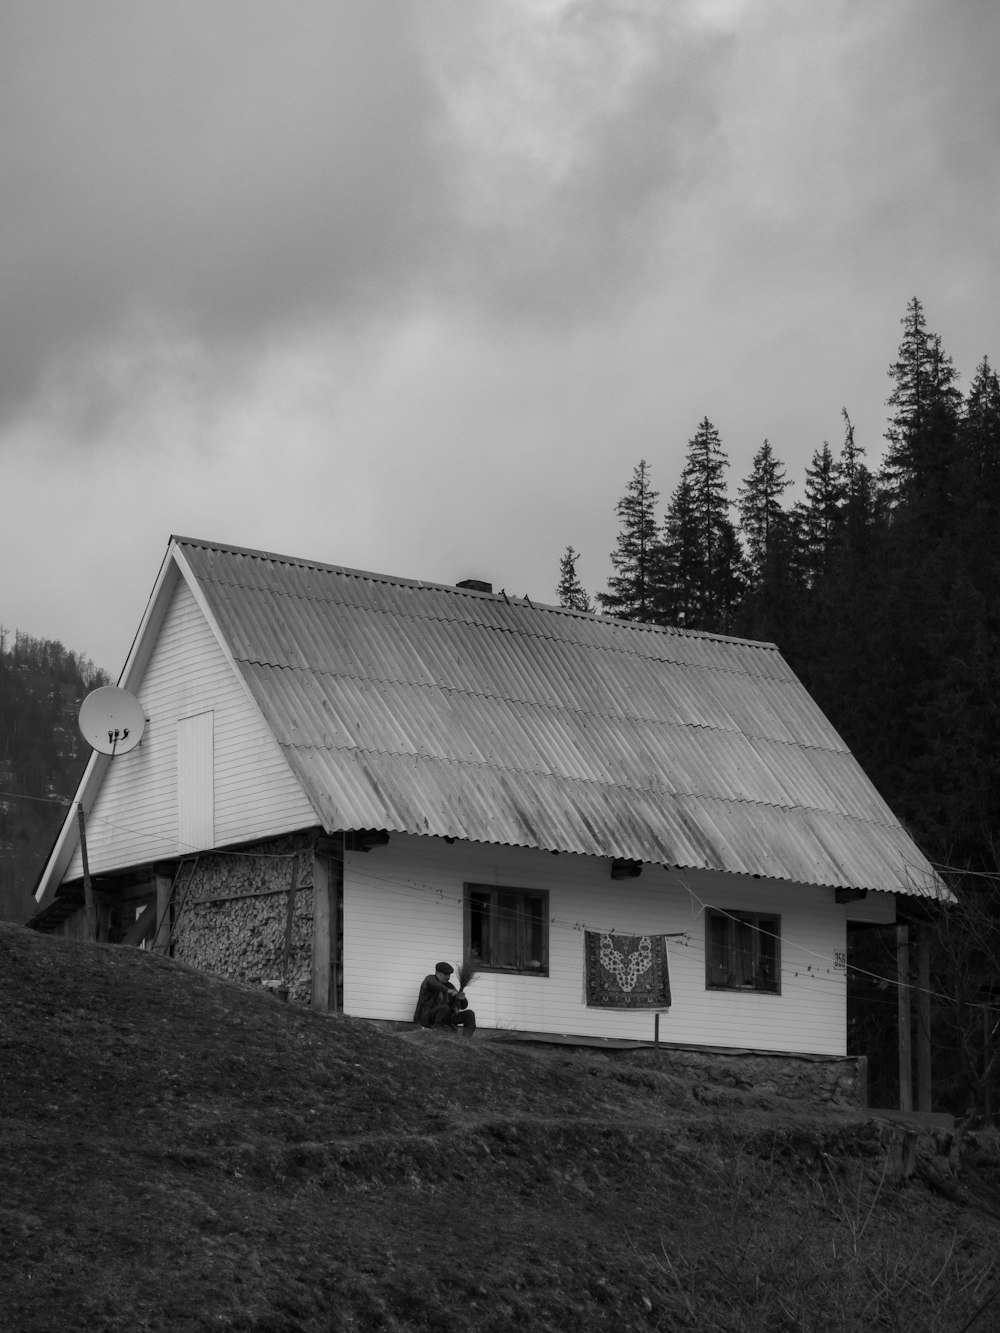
{"x": 742, "y": 951}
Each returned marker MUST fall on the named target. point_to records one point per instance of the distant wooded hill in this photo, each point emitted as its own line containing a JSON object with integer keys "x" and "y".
{"x": 42, "y": 756}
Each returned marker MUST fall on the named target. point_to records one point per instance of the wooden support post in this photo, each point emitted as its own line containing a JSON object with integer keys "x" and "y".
{"x": 924, "y": 1091}
{"x": 161, "y": 936}
{"x": 863, "y": 1082}
{"x": 988, "y": 1030}
{"x": 321, "y": 967}
{"x": 328, "y": 879}
{"x": 903, "y": 1010}
{"x": 286, "y": 953}
{"x": 89, "y": 906}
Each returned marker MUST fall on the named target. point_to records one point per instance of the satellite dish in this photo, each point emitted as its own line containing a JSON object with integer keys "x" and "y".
{"x": 112, "y": 720}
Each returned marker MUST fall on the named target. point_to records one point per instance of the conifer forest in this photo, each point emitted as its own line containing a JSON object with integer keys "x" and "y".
{"x": 881, "y": 587}
{"x": 42, "y": 756}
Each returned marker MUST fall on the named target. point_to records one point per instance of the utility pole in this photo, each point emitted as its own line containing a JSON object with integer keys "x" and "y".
{"x": 924, "y": 1092}
{"x": 89, "y": 908}
{"x": 905, "y": 1025}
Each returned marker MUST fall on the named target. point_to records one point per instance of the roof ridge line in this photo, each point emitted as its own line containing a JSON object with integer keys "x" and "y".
{"x": 398, "y": 580}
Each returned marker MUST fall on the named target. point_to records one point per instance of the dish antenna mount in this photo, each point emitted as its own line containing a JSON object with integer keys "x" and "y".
{"x": 112, "y": 720}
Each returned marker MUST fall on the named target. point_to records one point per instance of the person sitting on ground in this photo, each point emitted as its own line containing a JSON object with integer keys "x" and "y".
{"x": 440, "y": 1004}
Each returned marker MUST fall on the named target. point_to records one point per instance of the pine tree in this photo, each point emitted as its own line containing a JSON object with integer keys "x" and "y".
{"x": 851, "y": 457}
{"x": 861, "y": 494}
{"x": 637, "y": 558}
{"x": 712, "y": 558}
{"x": 933, "y": 604}
{"x": 839, "y": 507}
{"x": 820, "y": 514}
{"x": 921, "y": 455}
{"x": 683, "y": 567}
{"x": 771, "y": 537}
{"x": 728, "y": 585}
{"x": 953, "y": 780}
{"x": 979, "y": 435}
{"x": 981, "y": 415}
{"x": 763, "y": 521}
{"x": 570, "y": 590}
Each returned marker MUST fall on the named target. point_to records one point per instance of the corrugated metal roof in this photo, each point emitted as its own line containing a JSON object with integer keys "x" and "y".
{"x": 427, "y": 709}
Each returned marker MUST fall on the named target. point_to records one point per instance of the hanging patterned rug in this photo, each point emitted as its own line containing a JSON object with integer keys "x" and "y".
{"x": 627, "y": 971}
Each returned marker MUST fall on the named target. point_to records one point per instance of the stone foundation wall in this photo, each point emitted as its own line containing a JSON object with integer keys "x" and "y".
{"x": 232, "y": 921}
{"x": 817, "y": 1079}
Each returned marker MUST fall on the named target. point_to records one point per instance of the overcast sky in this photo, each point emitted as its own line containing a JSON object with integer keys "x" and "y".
{"x": 412, "y": 285}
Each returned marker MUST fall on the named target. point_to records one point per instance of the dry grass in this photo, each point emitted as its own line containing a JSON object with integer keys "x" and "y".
{"x": 182, "y": 1154}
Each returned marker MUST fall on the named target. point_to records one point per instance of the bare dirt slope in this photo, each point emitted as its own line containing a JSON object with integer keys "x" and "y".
{"x": 180, "y": 1153}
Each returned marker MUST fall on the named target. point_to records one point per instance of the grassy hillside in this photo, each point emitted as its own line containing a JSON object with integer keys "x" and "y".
{"x": 180, "y": 1153}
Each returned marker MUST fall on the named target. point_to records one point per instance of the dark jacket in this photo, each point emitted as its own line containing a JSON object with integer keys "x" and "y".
{"x": 434, "y": 1002}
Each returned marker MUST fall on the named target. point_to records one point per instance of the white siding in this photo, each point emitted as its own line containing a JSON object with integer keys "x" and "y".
{"x": 196, "y": 780}
{"x": 135, "y": 818}
{"x": 403, "y": 912}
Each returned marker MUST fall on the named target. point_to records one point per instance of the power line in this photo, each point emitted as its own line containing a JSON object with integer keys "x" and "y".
{"x": 48, "y": 800}
{"x": 682, "y": 938}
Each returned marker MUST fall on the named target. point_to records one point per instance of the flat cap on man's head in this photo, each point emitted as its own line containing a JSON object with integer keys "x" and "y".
{"x": 446, "y": 968}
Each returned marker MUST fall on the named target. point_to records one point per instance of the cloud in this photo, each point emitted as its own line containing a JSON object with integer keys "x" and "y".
{"x": 229, "y": 171}
{"x": 221, "y": 167}
{"x": 413, "y": 286}
{"x": 575, "y": 125}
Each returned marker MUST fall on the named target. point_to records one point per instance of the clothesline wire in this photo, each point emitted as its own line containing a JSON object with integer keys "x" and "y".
{"x": 445, "y": 895}
{"x": 684, "y": 937}
{"x": 858, "y": 971}
{"x": 188, "y": 848}
{"x": 45, "y": 800}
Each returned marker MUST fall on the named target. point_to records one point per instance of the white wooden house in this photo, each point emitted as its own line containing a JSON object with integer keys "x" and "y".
{"x": 346, "y": 777}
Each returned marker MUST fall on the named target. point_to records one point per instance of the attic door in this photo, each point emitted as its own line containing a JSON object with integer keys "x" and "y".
{"x": 196, "y": 781}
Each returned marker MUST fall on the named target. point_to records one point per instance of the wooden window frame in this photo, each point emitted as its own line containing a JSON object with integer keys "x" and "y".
{"x": 482, "y": 941}
{"x": 743, "y": 951}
